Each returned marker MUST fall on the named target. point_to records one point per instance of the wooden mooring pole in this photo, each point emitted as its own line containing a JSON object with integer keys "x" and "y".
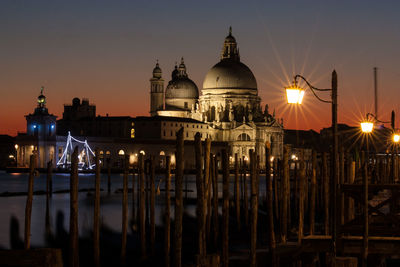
{"x": 325, "y": 179}
{"x": 73, "y": 217}
{"x": 108, "y": 175}
{"x": 270, "y": 205}
{"x": 215, "y": 200}
{"x": 124, "y": 212}
{"x": 285, "y": 195}
{"x": 225, "y": 209}
{"x": 29, "y": 200}
{"x": 313, "y": 192}
{"x": 96, "y": 216}
{"x": 237, "y": 192}
{"x": 201, "y": 227}
{"x": 178, "y": 198}
{"x": 207, "y": 189}
{"x": 167, "y": 238}
{"x": 142, "y": 207}
{"x": 254, "y": 207}
{"x": 49, "y": 179}
{"x": 366, "y": 216}
{"x": 152, "y": 205}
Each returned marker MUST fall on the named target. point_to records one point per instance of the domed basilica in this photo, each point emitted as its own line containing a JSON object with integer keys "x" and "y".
{"x": 229, "y": 103}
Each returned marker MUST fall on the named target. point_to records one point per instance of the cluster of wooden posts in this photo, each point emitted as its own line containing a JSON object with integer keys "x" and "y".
{"x": 297, "y": 206}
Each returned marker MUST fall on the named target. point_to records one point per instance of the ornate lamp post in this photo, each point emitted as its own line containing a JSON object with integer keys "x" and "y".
{"x": 295, "y": 95}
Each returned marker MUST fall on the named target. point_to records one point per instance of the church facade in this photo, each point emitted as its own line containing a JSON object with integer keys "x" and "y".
{"x": 228, "y": 104}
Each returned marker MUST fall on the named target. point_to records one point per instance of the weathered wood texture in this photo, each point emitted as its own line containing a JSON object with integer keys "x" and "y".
{"x": 167, "y": 237}
{"x": 178, "y": 198}
{"x": 225, "y": 209}
{"x": 96, "y": 215}
{"x": 124, "y": 212}
{"x": 73, "y": 217}
{"x": 152, "y": 205}
{"x": 201, "y": 227}
{"x": 29, "y": 200}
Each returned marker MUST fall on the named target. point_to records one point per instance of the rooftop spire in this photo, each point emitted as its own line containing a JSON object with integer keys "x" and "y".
{"x": 182, "y": 69}
{"x": 230, "y": 50}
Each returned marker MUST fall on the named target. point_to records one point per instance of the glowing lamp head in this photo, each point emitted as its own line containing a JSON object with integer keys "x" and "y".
{"x": 367, "y": 126}
{"x": 294, "y": 94}
{"x": 396, "y": 137}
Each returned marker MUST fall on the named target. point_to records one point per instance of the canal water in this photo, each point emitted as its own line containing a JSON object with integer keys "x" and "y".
{"x": 111, "y": 204}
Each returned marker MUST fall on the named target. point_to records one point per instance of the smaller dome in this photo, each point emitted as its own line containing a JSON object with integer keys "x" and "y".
{"x": 76, "y": 101}
{"x": 181, "y": 88}
{"x": 157, "y": 71}
{"x": 41, "y": 98}
{"x": 230, "y": 39}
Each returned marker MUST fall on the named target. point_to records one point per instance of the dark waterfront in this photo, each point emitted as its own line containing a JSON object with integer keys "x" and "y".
{"x": 111, "y": 204}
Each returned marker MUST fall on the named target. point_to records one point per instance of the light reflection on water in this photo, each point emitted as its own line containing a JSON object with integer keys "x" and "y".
{"x": 111, "y": 204}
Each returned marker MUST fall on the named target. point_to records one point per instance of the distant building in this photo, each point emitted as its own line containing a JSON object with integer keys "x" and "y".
{"x": 229, "y": 105}
{"x": 228, "y": 111}
{"x": 80, "y": 120}
{"x": 40, "y": 136}
{"x": 8, "y": 152}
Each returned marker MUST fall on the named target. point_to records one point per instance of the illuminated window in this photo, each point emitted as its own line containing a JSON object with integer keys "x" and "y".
{"x": 132, "y": 133}
{"x": 243, "y": 137}
{"x": 121, "y": 152}
{"x": 142, "y": 152}
{"x": 108, "y": 152}
{"x": 162, "y": 153}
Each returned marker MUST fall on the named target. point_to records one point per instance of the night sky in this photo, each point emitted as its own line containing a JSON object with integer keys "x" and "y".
{"x": 106, "y": 50}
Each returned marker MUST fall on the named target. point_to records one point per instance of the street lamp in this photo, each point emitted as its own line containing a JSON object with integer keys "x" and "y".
{"x": 16, "y": 155}
{"x": 295, "y": 95}
{"x": 367, "y": 126}
{"x": 396, "y": 138}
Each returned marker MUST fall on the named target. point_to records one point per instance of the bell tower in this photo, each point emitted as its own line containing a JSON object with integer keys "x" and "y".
{"x": 156, "y": 91}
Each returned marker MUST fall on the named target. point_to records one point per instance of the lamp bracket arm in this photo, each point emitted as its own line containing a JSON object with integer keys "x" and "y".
{"x": 309, "y": 84}
{"x": 375, "y": 119}
{"x": 312, "y": 88}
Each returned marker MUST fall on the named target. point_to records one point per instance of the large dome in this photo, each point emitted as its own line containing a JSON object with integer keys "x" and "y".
{"x": 230, "y": 74}
{"x": 181, "y": 87}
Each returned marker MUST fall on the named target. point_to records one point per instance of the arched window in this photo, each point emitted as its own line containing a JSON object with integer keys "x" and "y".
{"x": 142, "y": 152}
{"x": 243, "y": 137}
{"x": 121, "y": 152}
{"x": 162, "y": 153}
